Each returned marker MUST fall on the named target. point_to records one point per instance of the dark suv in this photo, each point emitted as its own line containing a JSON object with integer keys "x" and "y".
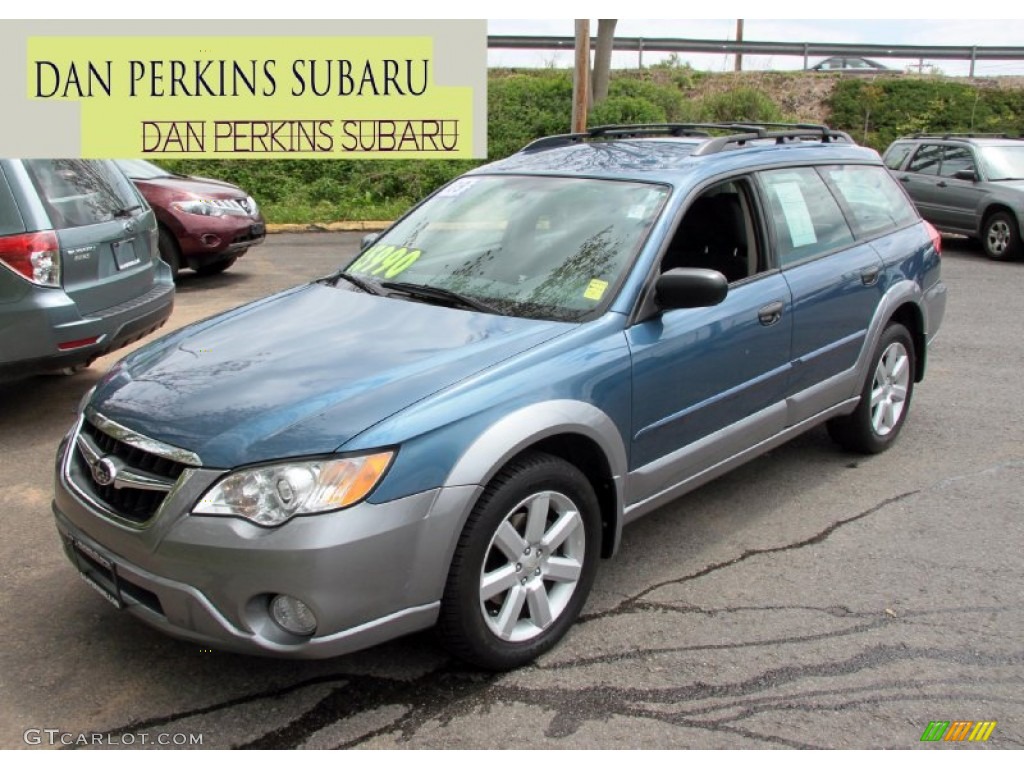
{"x": 970, "y": 185}
{"x": 79, "y": 273}
{"x": 455, "y": 426}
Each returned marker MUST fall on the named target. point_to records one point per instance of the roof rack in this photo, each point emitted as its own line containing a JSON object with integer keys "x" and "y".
{"x": 734, "y": 134}
{"x": 960, "y": 136}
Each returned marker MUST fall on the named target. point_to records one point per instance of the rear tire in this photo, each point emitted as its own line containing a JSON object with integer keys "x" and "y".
{"x": 170, "y": 252}
{"x": 216, "y": 267}
{"x": 524, "y": 564}
{"x": 885, "y": 399}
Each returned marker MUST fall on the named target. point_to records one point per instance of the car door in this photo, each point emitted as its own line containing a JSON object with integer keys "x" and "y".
{"x": 959, "y": 199}
{"x": 920, "y": 178}
{"x": 698, "y": 372}
{"x": 835, "y": 284}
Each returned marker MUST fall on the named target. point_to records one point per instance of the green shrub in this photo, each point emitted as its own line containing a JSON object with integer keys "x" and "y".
{"x": 738, "y": 105}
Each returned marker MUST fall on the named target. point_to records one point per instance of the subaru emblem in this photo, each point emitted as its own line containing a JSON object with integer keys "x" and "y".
{"x": 104, "y": 471}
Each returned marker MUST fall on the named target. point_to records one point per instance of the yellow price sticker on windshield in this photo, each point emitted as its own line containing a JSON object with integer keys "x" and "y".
{"x": 596, "y": 289}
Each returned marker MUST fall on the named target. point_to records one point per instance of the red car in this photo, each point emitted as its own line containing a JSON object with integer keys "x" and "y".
{"x": 205, "y": 224}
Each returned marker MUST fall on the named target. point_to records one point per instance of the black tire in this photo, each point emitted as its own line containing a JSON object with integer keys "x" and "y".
{"x": 216, "y": 267}
{"x": 470, "y": 621}
{"x": 170, "y": 252}
{"x": 867, "y": 430}
{"x": 1000, "y": 237}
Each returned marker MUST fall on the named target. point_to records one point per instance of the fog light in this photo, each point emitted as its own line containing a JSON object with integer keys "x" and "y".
{"x": 293, "y": 615}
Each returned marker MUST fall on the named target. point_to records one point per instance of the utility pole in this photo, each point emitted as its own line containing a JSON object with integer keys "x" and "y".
{"x": 581, "y": 77}
{"x": 739, "y": 39}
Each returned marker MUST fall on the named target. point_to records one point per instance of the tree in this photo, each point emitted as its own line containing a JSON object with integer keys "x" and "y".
{"x": 603, "y": 58}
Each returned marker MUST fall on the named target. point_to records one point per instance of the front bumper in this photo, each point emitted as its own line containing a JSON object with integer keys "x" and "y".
{"x": 370, "y": 573}
{"x": 206, "y": 239}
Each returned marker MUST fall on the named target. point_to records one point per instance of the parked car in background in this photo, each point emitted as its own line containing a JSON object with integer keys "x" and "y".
{"x": 851, "y": 64}
{"x": 79, "y": 272}
{"x": 205, "y": 224}
{"x": 454, "y": 427}
{"x": 968, "y": 185}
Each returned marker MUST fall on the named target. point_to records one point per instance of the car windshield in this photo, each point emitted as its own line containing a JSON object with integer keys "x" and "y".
{"x": 143, "y": 169}
{"x": 1004, "y": 163}
{"x": 529, "y": 246}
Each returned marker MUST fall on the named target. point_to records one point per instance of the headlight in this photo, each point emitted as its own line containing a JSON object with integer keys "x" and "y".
{"x": 213, "y": 207}
{"x": 272, "y": 495}
{"x": 198, "y": 207}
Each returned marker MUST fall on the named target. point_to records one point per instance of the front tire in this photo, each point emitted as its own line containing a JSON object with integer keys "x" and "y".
{"x": 524, "y": 564}
{"x": 885, "y": 399}
{"x": 1001, "y": 236}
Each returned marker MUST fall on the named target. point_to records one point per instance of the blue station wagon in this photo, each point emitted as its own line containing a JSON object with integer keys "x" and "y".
{"x": 454, "y": 428}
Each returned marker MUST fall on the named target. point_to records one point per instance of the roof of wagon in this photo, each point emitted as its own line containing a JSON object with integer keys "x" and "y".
{"x": 647, "y": 152}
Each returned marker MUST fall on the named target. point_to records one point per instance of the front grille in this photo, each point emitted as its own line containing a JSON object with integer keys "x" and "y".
{"x": 137, "y": 505}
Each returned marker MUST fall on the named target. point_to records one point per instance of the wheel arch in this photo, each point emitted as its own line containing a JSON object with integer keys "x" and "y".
{"x": 903, "y": 302}
{"x": 992, "y": 207}
{"x": 577, "y": 432}
{"x": 910, "y": 316}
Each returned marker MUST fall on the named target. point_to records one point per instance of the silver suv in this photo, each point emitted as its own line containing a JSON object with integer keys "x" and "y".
{"x": 79, "y": 273}
{"x": 967, "y": 184}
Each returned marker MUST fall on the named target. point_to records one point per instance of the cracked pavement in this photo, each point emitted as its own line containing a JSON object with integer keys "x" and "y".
{"x": 808, "y": 599}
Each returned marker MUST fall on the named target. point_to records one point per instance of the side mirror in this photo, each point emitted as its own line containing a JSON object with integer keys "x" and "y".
{"x": 685, "y": 288}
{"x": 368, "y": 240}
{"x": 966, "y": 174}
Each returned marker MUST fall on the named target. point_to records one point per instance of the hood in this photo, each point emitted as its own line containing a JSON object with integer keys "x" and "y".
{"x": 192, "y": 186}
{"x": 303, "y": 372}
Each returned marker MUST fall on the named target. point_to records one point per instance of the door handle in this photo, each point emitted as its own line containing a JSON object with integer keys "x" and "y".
{"x": 904, "y": 179}
{"x": 870, "y": 275}
{"x": 771, "y": 313}
{"x": 942, "y": 184}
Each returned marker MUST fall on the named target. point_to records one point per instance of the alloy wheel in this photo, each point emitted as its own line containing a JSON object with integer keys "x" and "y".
{"x": 532, "y": 566}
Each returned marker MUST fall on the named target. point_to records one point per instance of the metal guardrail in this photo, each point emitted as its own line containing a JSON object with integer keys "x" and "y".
{"x": 971, "y": 53}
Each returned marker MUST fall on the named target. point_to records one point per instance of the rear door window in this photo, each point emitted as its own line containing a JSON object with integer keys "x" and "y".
{"x": 927, "y": 160}
{"x": 807, "y": 219}
{"x": 77, "y": 193}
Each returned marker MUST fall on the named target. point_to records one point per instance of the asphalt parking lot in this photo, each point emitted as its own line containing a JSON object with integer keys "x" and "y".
{"x": 810, "y": 598}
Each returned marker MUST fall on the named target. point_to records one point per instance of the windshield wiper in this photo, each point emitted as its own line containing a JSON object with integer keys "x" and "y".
{"x": 367, "y": 286}
{"x": 120, "y": 213}
{"x": 444, "y": 294}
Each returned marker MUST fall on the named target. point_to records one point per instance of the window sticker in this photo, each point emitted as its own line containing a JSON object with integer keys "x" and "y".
{"x": 794, "y": 208}
{"x": 637, "y": 212}
{"x": 385, "y": 261}
{"x": 596, "y": 289}
{"x": 457, "y": 188}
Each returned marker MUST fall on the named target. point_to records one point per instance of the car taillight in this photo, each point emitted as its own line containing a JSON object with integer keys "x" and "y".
{"x": 33, "y": 255}
{"x": 933, "y": 233}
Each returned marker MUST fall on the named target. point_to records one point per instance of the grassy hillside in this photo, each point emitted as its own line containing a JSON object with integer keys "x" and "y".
{"x": 525, "y": 104}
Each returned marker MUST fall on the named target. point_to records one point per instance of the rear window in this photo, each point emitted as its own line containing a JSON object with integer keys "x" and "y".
{"x": 10, "y": 217}
{"x": 80, "y": 192}
{"x": 872, "y": 197}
